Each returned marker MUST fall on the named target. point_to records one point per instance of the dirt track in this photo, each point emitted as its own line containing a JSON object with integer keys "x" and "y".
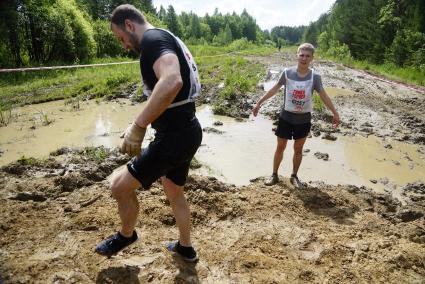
{"x": 54, "y": 212}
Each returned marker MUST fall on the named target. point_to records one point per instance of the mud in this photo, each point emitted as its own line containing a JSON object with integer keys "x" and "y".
{"x": 54, "y": 212}
{"x": 366, "y": 105}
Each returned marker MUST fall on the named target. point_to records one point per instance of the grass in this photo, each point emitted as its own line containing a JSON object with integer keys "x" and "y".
{"x": 97, "y": 154}
{"x": 6, "y": 115}
{"x": 32, "y": 87}
{"x": 29, "y": 161}
{"x": 41, "y": 86}
{"x": 318, "y": 105}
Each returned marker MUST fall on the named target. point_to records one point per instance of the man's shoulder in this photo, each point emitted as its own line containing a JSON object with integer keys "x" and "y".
{"x": 316, "y": 75}
{"x": 156, "y": 34}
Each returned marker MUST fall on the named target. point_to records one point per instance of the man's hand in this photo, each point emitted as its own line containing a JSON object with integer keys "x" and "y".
{"x": 256, "y": 109}
{"x": 133, "y": 138}
{"x": 335, "y": 120}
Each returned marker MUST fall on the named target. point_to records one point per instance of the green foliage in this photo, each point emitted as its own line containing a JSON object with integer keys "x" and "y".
{"x": 97, "y": 154}
{"x": 338, "y": 51}
{"x": 288, "y": 35}
{"x": 107, "y": 43}
{"x": 240, "y": 44}
{"x": 407, "y": 49}
{"x": 83, "y": 35}
{"x": 45, "y": 86}
{"x": 376, "y": 31}
{"x": 6, "y": 115}
{"x": 224, "y": 37}
{"x": 318, "y": 105}
{"x": 172, "y": 22}
{"x": 44, "y": 118}
{"x": 29, "y": 161}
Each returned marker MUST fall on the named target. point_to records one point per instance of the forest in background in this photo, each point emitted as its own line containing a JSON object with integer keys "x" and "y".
{"x": 48, "y": 32}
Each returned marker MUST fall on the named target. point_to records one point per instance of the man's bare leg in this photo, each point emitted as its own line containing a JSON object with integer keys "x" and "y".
{"x": 298, "y": 154}
{"x": 278, "y": 154}
{"x": 180, "y": 207}
{"x": 123, "y": 187}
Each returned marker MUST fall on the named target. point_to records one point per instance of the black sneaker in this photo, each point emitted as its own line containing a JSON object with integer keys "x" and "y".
{"x": 272, "y": 180}
{"x": 187, "y": 253}
{"x": 295, "y": 181}
{"x": 114, "y": 244}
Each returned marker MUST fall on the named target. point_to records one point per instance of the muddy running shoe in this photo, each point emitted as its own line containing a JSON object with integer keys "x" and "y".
{"x": 295, "y": 181}
{"x": 114, "y": 244}
{"x": 272, "y": 180}
{"x": 187, "y": 253}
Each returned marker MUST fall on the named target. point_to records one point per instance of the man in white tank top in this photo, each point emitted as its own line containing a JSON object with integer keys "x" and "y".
{"x": 295, "y": 117}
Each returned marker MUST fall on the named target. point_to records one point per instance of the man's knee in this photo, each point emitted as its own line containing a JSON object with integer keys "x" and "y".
{"x": 120, "y": 187}
{"x": 280, "y": 147}
{"x": 115, "y": 188}
{"x": 171, "y": 189}
{"x": 298, "y": 149}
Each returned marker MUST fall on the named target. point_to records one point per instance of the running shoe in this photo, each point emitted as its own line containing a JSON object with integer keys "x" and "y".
{"x": 114, "y": 244}
{"x": 187, "y": 253}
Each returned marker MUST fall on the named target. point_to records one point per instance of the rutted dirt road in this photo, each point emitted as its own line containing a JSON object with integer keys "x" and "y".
{"x": 53, "y": 213}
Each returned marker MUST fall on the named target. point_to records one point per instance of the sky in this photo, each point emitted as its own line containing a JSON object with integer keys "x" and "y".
{"x": 267, "y": 13}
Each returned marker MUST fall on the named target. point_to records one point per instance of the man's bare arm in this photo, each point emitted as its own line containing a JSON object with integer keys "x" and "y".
{"x": 328, "y": 103}
{"x": 167, "y": 70}
{"x": 273, "y": 91}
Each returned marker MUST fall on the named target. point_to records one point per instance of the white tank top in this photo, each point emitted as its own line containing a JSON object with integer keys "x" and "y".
{"x": 298, "y": 95}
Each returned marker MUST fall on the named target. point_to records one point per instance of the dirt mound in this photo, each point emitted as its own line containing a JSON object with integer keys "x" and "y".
{"x": 55, "y": 211}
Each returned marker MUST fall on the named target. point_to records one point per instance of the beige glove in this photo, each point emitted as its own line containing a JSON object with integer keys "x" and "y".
{"x": 133, "y": 138}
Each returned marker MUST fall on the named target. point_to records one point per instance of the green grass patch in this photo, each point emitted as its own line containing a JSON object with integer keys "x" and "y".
{"x": 318, "y": 105}
{"x": 97, "y": 154}
{"x": 216, "y": 64}
{"x": 41, "y": 86}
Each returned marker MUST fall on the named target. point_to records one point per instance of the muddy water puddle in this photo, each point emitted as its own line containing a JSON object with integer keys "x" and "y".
{"x": 42, "y": 128}
{"x": 244, "y": 150}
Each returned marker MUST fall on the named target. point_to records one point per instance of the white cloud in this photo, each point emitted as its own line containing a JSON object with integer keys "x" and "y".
{"x": 268, "y": 13}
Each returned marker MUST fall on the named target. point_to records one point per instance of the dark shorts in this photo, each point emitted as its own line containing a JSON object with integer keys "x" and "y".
{"x": 291, "y": 131}
{"x": 169, "y": 155}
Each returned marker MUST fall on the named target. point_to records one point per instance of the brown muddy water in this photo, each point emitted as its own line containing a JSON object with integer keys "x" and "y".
{"x": 243, "y": 151}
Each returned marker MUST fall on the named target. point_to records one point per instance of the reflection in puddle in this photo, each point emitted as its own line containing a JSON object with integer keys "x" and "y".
{"x": 244, "y": 151}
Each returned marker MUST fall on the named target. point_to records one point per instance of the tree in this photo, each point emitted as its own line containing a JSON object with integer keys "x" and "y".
{"x": 172, "y": 22}
{"x": 162, "y": 14}
{"x": 249, "y": 26}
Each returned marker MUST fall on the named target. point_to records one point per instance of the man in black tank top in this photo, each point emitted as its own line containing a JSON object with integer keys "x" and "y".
{"x": 170, "y": 82}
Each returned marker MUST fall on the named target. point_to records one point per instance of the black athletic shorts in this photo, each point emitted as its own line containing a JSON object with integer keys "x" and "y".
{"x": 290, "y": 131}
{"x": 169, "y": 155}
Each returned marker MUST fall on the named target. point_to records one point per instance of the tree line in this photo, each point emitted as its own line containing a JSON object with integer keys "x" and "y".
{"x": 377, "y": 31}
{"x": 36, "y": 32}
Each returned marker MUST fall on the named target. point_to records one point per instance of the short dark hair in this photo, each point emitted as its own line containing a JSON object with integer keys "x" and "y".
{"x": 127, "y": 12}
